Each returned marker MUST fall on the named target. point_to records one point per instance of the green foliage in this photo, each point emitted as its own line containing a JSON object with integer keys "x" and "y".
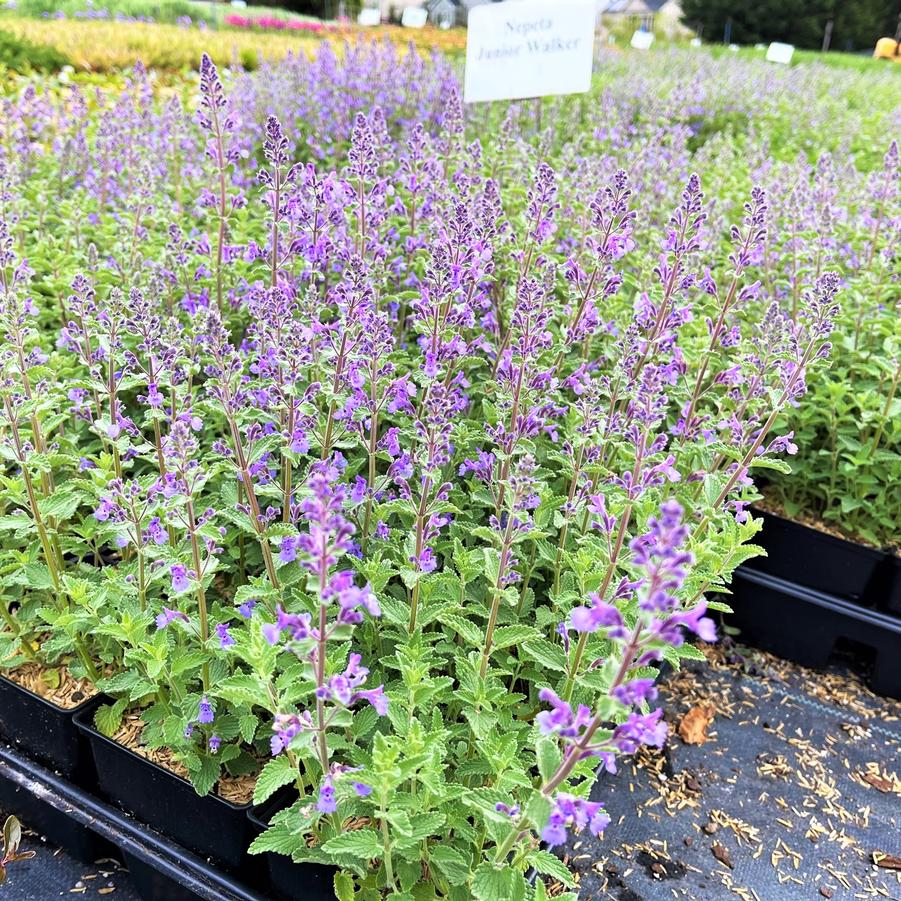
{"x": 463, "y": 681}
{"x": 21, "y": 55}
{"x": 857, "y": 24}
{"x": 849, "y": 474}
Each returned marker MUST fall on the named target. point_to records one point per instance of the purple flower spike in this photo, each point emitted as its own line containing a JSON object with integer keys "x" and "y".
{"x": 155, "y": 532}
{"x": 562, "y": 720}
{"x": 635, "y": 692}
{"x": 598, "y": 615}
{"x": 286, "y": 726}
{"x": 640, "y": 729}
{"x": 573, "y": 813}
{"x": 376, "y": 697}
{"x": 288, "y": 549}
{"x": 246, "y": 609}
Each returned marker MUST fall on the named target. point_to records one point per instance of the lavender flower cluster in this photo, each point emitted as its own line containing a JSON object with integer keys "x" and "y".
{"x": 376, "y": 456}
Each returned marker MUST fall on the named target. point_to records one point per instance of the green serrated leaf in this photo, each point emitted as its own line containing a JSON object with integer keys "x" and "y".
{"x": 550, "y": 865}
{"x": 278, "y": 772}
{"x": 549, "y": 757}
{"x": 344, "y": 887}
{"x": 362, "y": 844}
{"x": 247, "y": 727}
{"x": 108, "y": 717}
{"x": 491, "y": 884}
{"x": 450, "y": 863}
{"x": 279, "y": 839}
{"x": 205, "y": 776}
{"x": 546, "y": 653}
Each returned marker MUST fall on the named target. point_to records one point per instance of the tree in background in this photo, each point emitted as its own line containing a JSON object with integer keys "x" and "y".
{"x": 857, "y": 24}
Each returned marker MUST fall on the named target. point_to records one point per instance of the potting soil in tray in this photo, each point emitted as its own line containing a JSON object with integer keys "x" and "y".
{"x": 794, "y": 792}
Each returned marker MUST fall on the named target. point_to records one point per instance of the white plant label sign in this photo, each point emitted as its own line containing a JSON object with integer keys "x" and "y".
{"x": 531, "y": 48}
{"x": 414, "y": 17}
{"x": 642, "y": 40}
{"x": 780, "y": 53}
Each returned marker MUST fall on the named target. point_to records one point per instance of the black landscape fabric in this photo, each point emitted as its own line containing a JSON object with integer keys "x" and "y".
{"x": 795, "y": 794}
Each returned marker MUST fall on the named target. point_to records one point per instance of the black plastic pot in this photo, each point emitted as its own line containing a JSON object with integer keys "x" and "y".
{"x": 821, "y": 562}
{"x": 56, "y": 825}
{"x": 290, "y": 881}
{"x": 147, "y": 851}
{"x": 210, "y": 826}
{"x": 804, "y": 625}
{"x": 45, "y": 732}
{"x": 893, "y": 595}
{"x": 153, "y": 885}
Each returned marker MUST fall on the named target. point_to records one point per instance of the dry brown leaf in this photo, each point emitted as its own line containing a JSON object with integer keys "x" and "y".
{"x": 883, "y": 785}
{"x": 722, "y": 855}
{"x": 693, "y": 726}
{"x": 886, "y": 861}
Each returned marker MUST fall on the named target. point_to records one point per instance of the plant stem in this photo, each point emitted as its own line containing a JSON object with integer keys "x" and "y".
{"x": 14, "y": 627}
{"x": 498, "y": 595}
{"x": 574, "y": 755}
{"x": 611, "y": 569}
{"x": 885, "y": 410}
{"x": 201, "y": 594}
{"x": 420, "y": 528}
{"x": 386, "y": 845}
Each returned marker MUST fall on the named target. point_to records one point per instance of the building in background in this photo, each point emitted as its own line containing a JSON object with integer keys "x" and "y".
{"x": 442, "y": 11}
{"x": 394, "y": 9}
{"x": 662, "y": 15}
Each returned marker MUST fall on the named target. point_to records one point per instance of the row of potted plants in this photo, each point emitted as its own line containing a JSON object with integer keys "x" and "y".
{"x": 374, "y": 489}
{"x": 830, "y": 529}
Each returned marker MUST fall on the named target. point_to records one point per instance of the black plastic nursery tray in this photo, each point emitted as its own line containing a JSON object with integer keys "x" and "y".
{"x": 44, "y": 731}
{"x": 209, "y": 826}
{"x": 808, "y": 626}
{"x": 828, "y": 563}
{"x": 160, "y": 870}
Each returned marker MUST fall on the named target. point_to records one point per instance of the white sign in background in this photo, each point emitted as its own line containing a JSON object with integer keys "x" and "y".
{"x": 642, "y": 40}
{"x": 414, "y": 17}
{"x": 531, "y": 48}
{"x": 780, "y": 53}
{"x": 369, "y": 17}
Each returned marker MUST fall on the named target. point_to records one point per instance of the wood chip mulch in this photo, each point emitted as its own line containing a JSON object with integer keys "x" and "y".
{"x": 54, "y": 684}
{"x": 237, "y": 789}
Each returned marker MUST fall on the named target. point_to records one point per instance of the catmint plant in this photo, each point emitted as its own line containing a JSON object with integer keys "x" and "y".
{"x": 373, "y": 452}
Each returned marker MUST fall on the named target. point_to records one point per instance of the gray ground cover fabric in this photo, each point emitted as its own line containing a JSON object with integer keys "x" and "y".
{"x": 797, "y": 785}
{"x": 53, "y": 874}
